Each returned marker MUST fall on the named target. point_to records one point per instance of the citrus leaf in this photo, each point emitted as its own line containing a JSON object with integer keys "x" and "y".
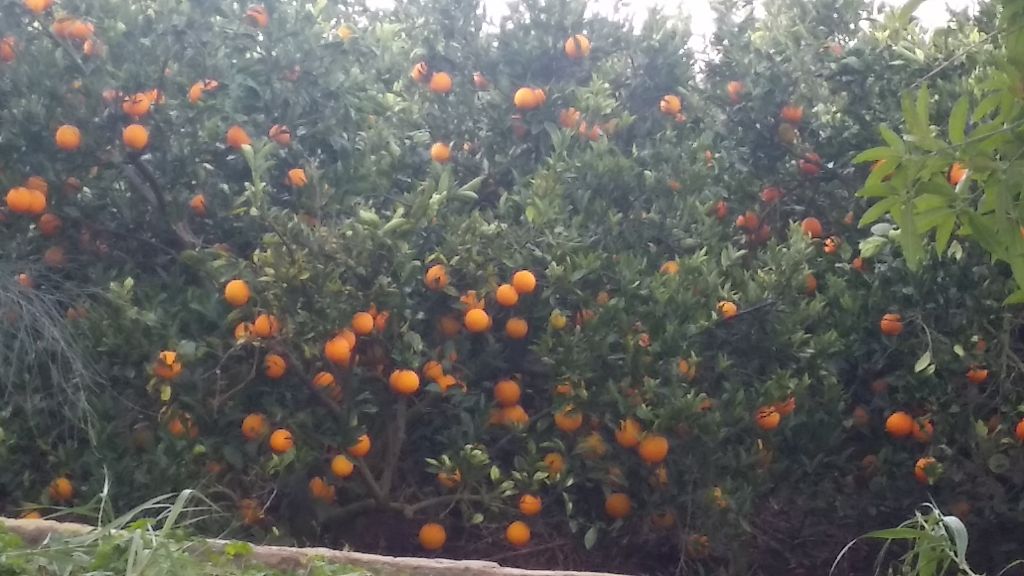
{"x": 958, "y": 121}
{"x": 923, "y": 362}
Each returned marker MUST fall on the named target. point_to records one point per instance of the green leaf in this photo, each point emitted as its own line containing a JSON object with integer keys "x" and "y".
{"x": 958, "y": 121}
{"x": 921, "y": 106}
{"x": 907, "y": 10}
{"x": 923, "y": 361}
{"x": 873, "y": 154}
{"x": 892, "y": 139}
{"x": 871, "y": 246}
{"x": 943, "y": 232}
{"x": 881, "y": 208}
{"x": 896, "y": 534}
{"x": 590, "y": 538}
{"x": 910, "y": 238}
{"x": 999, "y": 463}
{"x": 1015, "y": 298}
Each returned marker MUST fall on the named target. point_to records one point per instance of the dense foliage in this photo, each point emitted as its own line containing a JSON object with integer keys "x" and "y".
{"x": 403, "y": 279}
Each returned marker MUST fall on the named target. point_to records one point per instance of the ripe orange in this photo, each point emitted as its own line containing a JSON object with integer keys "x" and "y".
{"x": 526, "y": 99}
{"x": 767, "y": 418}
{"x": 593, "y": 447}
{"x": 568, "y": 419}
{"x": 977, "y": 375}
{"x": 436, "y": 277}
{"x": 891, "y": 324}
{"x": 514, "y": 416}
{"x": 361, "y": 448}
{"x": 518, "y": 534}
{"x": 899, "y": 424}
{"x": 1019, "y": 430}
{"x": 135, "y": 137}
{"x": 812, "y": 227}
{"x": 54, "y": 257}
{"x": 323, "y": 380}
{"x": 477, "y": 321}
{"x": 771, "y": 194}
{"x": 433, "y": 370}
{"x": 670, "y": 268}
{"x": 480, "y": 82}
{"x": 449, "y": 479}
{"x": 810, "y": 284}
{"x": 653, "y": 449}
{"x": 923, "y": 431}
{"x": 735, "y": 90}
{"x": 857, "y": 264}
{"x": 524, "y": 282}
{"x": 320, "y": 490}
{"x": 362, "y": 323}
{"x": 274, "y": 366}
{"x": 38, "y": 6}
{"x": 419, "y": 72}
{"x": 440, "y": 153}
{"x": 280, "y": 134}
{"x": 831, "y": 244}
{"x": 236, "y": 292}
{"x": 440, "y": 83}
{"x": 341, "y": 466}
{"x": 618, "y": 505}
{"x": 516, "y": 328}
{"x": 237, "y": 137}
{"x": 404, "y": 382}
{"x": 507, "y": 393}
{"x": 663, "y": 520}
{"x": 297, "y": 178}
{"x": 338, "y": 351}
{"x": 61, "y": 490}
{"x": 555, "y": 463}
{"x": 577, "y": 46}
{"x": 254, "y": 426}
{"x": 529, "y": 505}
{"x": 198, "y": 205}
{"x": 506, "y": 295}
{"x": 670, "y": 105}
{"x": 281, "y": 441}
{"x": 727, "y": 309}
{"x": 628, "y": 433}
{"x": 792, "y": 114}
{"x": 923, "y": 468}
{"x": 432, "y": 536}
{"x": 167, "y": 365}
{"x": 136, "y": 105}
{"x": 68, "y": 138}
{"x": 956, "y": 173}
{"x": 8, "y": 49}
{"x": 257, "y": 16}
{"x": 265, "y": 326}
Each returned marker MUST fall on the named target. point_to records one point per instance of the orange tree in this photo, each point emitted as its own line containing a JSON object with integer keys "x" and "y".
{"x": 403, "y": 276}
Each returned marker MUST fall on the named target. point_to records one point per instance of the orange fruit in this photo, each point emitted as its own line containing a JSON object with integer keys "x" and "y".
{"x": 1019, "y": 430}
{"x": 923, "y": 431}
{"x": 440, "y": 153}
{"x": 433, "y": 370}
{"x": 54, "y": 257}
{"x": 506, "y": 295}
{"x": 554, "y": 462}
{"x": 480, "y": 82}
{"x": 727, "y": 309}
{"x": 198, "y": 205}
{"x": 449, "y": 480}
{"x": 320, "y": 490}
{"x": 670, "y": 105}
{"x": 8, "y": 49}
{"x": 861, "y": 417}
{"x": 653, "y": 449}
{"x": 526, "y": 99}
{"x": 857, "y": 264}
{"x": 770, "y": 194}
{"x": 922, "y": 468}
{"x": 812, "y": 227}
{"x": 440, "y": 83}
{"x": 593, "y": 447}
{"x": 735, "y": 90}
{"x": 767, "y": 418}
{"x": 514, "y": 416}
{"x": 362, "y": 323}
{"x": 135, "y": 137}
{"x": 338, "y": 351}
{"x": 323, "y": 380}
{"x": 663, "y": 520}
{"x": 361, "y": 448}
{"x": 507, "y": 393}
{"x": 618, "y": 505}
{"x": 831, "y": 244}
{"x": 568, "y": 420}
{"x": 274, "y": 366}
{"x": 341, "y": 466}
{"x": 265, "y": 326}
{"x": 977, "y": 375}
{"x": 136, "y": 105}
{"x": 167, "y": 365}
{"x": 792, "y": 114}
{"x": 436, "y": 277}
{"x": 447, "y": 381}
{"x": 404, "y": 382}
{"x": 670, "y": 268}
{"x": 529, "y": 505}
{"x": 432, "y": 536}
{"x": 257, "y": 16}
{"x": 524, "y": 282}
{"x": 280, "y": 134}
{"x": 236, "y": 292}
{"x": 577, "y": 46}
{"x": 61, "y": 490}
{"x": 281, "y": 441}
{"x": 698, "y": 546}
{"x": 891, "y": 324}
{"x": 419, "y": 72}
{"x": 899, "y": 424}
{"x": 477, "y": 321}
{"x": 518, "y": 534}
{"x": 254, "y": 426}
{"x": 956, "y": 173}
{"x": 68, "y": 138}
{"x": 297, "y": 178}
{"x": 49, "y": 224}
{"x": 628, "y": 433}
{"x": 557, "y": 320}
{"x": 810, "y": 284}
{"x": 237, "y": 137}
{"x": 516, "y": 328}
